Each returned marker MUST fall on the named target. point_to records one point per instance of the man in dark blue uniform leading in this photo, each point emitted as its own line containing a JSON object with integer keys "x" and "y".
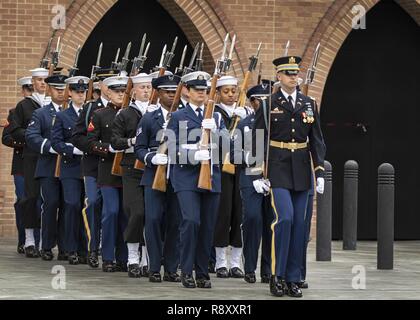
{"x": 70, "y": 171}
{"x": 198, "y": 206}
{"x": 161, "y": 208}
{"x": 38, "y": 138}
{"x": 295, "y": 136}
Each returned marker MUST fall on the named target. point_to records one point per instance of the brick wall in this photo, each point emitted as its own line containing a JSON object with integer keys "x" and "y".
{"x": 25, "y": 27}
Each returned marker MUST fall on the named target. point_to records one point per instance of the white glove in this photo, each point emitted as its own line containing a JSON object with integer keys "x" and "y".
{"x": 209, "y": 124}
{"x": 151, "y": 108}
{"x": 131, "y": 142}
{"x": 320, "y": 185}
{"x": 261, "y": 185}
{"x": 160, "y": 159}
{"x": 112, "y": 150}
{"x": 202, "y": 155}
{"x": 240, "y": 112}
{"x": 52, "y": 151}
{"x": 77, "y": 151}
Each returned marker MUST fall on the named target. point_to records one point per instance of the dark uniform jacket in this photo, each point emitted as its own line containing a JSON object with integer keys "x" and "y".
{"x": 7, "y": 140}
{"x": 185, "y": 176}
{"x": 79, "y": 139}
{"x": 21, "y": 119}
{"x": 60, "y": 135}
{"x": 124, "y": 128}
{"x": 99, "y": 137}
{"x": 38, "y": 138}
{"x": 147, "y": 143}
{"x": 286, "y": 168}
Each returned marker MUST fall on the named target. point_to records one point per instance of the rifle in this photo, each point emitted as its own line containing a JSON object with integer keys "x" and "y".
{"x": 159, "y": 182}
{"x": 92, "y": 74}
{"x": 259, "y": 74}
{"x": 55, "y": 57}
{"x": 45, "y": 61}
{"x": 165, "y": 62}
{"x": 138, "y": 64}
{"x": 222, "y": 66}
{"x": 199, "y": 62}
{"x": 228, "y": 167}
{"x": 311, "y": 72}
{"x": 72, "y": 72}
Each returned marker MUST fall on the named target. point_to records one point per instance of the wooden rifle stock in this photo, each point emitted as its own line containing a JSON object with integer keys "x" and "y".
{"x": 139, "y": 165}
{"x": 58, "y": 162}
{"x": 304, "y": 88}
{"x": 204, "y": 180}
{"x": 116, "y": 165}
{"x": 228, "y": 167}
{"x": 89, "y": 94}
{"x": 159, "y": 182}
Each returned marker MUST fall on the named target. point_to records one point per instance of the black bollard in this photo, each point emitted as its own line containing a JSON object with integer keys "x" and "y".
{"x": 386, "y": 192}
{"x": 324, "y": 218}
{"x": 350, "y": 190}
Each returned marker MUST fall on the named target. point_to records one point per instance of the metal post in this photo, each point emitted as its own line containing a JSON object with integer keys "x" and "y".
{"x": 351, "y": 180}
{"x": 324, "y": 218}
{"x": 386, "y": 193}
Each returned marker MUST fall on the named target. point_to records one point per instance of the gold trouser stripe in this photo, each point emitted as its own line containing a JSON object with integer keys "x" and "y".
{"x": 273, "y": 245}
{"x": 86, "y": 222}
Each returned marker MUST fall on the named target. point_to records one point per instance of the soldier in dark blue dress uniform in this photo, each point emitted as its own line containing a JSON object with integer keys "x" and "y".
{"x": 38, "y": 138}
{"x": 70, "y": 170}
{"x": 295, "y": 136}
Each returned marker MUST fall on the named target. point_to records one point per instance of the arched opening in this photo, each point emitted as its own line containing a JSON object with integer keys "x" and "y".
{"x": 127, "y": 21}
{"x": 370, "y": 114}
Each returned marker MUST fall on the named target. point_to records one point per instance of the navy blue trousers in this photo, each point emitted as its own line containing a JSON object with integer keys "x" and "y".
{"x": 162, "y": 211}
{"x": 50, "y": 194}
{"x": 19, "y": 181}
{"x": 92, "y": 213}
{"x": 199, "y": 212}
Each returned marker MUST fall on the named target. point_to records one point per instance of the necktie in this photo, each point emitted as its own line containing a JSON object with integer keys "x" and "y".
{"x": 60, "y": 108}
{"x": 200, "y": 114}
{"x": 291, "y": 101}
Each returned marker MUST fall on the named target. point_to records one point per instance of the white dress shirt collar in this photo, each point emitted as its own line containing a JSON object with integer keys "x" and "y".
{"x": 286, "y": 95}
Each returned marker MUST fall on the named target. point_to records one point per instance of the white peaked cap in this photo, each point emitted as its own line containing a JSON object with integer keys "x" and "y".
{"x": 227, "y": 81}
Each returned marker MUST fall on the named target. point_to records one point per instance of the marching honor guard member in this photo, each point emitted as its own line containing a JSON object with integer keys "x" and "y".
{"x": 17, "y": 164}
{"x": 124, "y": 138}
{"x": 162, "y": 209}
{"x": 70, "y": 170}
{"x": 256, "y": 219}
{"x": 295, "y": 136}
{"x": 114, "y": 220}
{"x": 198, "y": 206}
{"x": 38, "y": 137}
{"x": 93, "y": 198}
{"x": 228, "y": 224}
{"x": 31, "y": 203}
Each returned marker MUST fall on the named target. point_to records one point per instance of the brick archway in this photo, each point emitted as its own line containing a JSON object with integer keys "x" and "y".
{"x": 331, "y": 32}
{"x": 200, "y": 21}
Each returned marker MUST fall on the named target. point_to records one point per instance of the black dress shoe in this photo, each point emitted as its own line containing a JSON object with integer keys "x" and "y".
{"x": 187, "y": 281}
{"x": 62, "y": 256}
{"x": 236, "y": 273}
{"x": 93, "y": 261}
{"x": 265, "y": 278}
{"x": 293, "y": 290}
{"x": 203, "y": 282}
{"x": 31, "y": 252}
{"x": 277, "y": 286}
{"x": 47, "y": 255}
{"x": 21, "y": 249}
{"x": 73, "y": 258}
{"x": 222, "y": 272}
{"x": 171, "y": 277}
{"x": 145, "y": 271}
{"x": 134, "y": 271}
{"x": 155, "y": 277}
{"x": 212, "y": 267}
{"x": 303, "y": 284}
{"x": 108, "y": 266}
{"x": 250, "y": 277}
{"x": 121, "y": 267}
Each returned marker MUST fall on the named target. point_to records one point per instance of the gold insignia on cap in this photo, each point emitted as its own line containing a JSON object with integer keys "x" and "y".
{"x": 292, "y": 60}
